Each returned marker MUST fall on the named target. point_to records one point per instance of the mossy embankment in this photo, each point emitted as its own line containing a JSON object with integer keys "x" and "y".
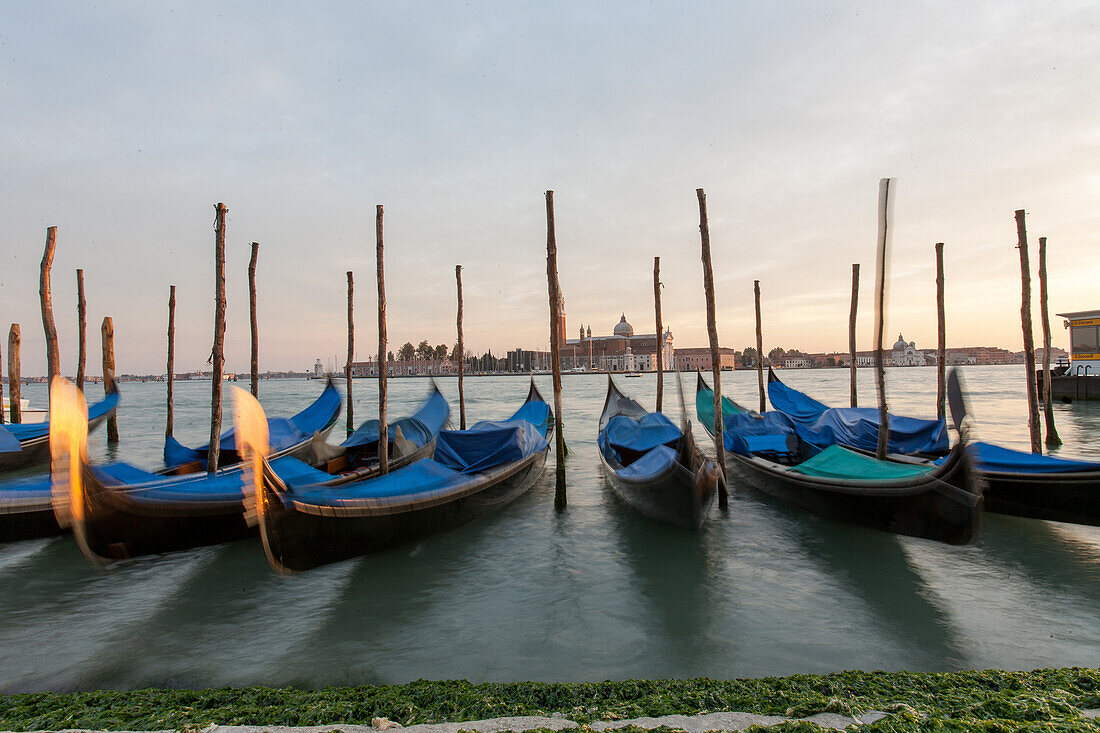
{"x": 991, "y": 700}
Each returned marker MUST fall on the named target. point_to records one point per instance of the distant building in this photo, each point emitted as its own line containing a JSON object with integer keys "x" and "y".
{"x": 622, "y": 351}
{"x": 406, "y": 368}
{"x": 698, "y": 359}
{"x": 906, "y": 354}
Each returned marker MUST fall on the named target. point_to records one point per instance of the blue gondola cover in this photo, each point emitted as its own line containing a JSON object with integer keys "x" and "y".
{"x": 283, "y": 432}
{"x": 858, "y": 426}
{"x": 1005, "y": 460}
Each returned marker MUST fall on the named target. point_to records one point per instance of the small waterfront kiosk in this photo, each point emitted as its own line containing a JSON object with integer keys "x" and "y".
{"x": 1081, "y": 379}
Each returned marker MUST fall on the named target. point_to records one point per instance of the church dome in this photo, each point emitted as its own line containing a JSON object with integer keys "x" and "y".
{"x": 900, "y": 345}
{"x": 622, "y": 328}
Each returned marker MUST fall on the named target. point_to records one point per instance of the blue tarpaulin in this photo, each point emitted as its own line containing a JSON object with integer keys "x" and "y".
{"x": 654, "y": 463}
{"x": 857, "y": 427}
{"x": 640, "y": 434}
{"x": 1005, "y": 460}
{"x": 488, "y": 444}
{"x": 460, "y": 456}
{"x": 8, "y": 442}
{"x": 28, "y": 431}
{"x": 420, "y": 428}
{"x": 283, "y": 432}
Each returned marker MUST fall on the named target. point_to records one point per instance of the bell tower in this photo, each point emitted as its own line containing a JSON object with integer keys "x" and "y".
{"x": 561, "y": 320}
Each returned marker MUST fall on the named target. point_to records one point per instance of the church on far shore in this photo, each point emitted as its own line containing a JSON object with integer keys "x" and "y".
{"x": 622, "y": 351}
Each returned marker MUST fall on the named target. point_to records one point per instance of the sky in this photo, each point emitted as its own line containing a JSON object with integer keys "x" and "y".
{"x": 124, "y": 123}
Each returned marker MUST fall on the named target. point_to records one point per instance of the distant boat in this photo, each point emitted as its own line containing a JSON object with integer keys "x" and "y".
{"x": 26, "y": 443}
{"x": 26, "y": 414}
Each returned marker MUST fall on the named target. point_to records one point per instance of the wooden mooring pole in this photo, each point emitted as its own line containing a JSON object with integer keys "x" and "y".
{"x": 168, "y": 427}
{"x": 759, "y": 349}
{"x": 886, "y": 188}
{"x": 351, "y": 351}
{"x": 715, "y": 357}
{"x": 107, "y": 332}
{"x": 53, "y": 368}
{"x": 81, "y": 328}
{"x": 15, "y": 391}
{"x": 554, "y": 295}
{"x": 383, "y": 426}
{"x": 1029, "y": 339}
{"x": 217, "y": 354}
{"x": 1053, "y": 440}
{"x": 852, "y": 334}
{"x": 461, "y": 347}
{"x": 660, "y": 331}
{"x": 941, "y": 344}
{"x": 253, "y": 325}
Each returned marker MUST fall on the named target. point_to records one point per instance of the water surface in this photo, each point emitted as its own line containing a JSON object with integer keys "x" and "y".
{"x": 592, "y": 592}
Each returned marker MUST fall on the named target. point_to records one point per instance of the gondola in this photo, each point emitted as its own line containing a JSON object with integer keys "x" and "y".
{"x": 24, "y": 444}
{"x": 289, "y": 436}
{"x": 305, "y": 524}
{"x": 1017, "y": 483}
{"x": 129, "y": 512}
{"x": 782, "y": 458}
{"x": 653, "y": 465}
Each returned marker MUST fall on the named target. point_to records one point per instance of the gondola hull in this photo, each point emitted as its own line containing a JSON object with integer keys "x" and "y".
{"x": 1072, "y": 497}
{"x": 118, "y": 525}
{"x": 943, "y": 506}
{"x": 28, "y": 524}
{"x": 675, "y": 496}
{"x": 297, "y": 540}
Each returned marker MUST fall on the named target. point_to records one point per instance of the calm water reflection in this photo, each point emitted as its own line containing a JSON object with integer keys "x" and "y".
{"x": 593, "y": 592}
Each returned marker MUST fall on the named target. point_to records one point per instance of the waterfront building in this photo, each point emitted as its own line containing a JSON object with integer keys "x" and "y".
{"x": 698, "y": 359}
{"x": 906, "y": 354}
{"x": 622, "y": 351}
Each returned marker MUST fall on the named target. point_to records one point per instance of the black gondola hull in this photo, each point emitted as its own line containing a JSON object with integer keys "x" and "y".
{"x": 117, "y": 526}
{"x": 296, "y": 540}
{"x": 28, "y": 524}
{"x": 944, "y": 506}
{"x": 675, "y": 497}
{"x": 1061, "y": 497}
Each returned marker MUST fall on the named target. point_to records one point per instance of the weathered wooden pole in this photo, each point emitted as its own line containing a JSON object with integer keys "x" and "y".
{"x": 107, "y": 331}
{"x": 1053, "y": 439}
{"x": 217, "y": 354}
{"x": 168, "y": 427}
{"x": 351, "y": 350}
{"x": 885, "y": 233}
{"x": 759, "y": 349}
{"x": 715, "y": 359}
{"x": 254, "y": 327}
{"x": 81, "y": 328}
{"x": 53, "y": 367}
{"x": 15, "y": 389}
{"x": 554, "y": 294}
{"x": 383, "y": 426}
{"x": 1029, "y": 339}
{"x": 852, "y": 334}
{"x": 461, "y": 347}
{"x": 660, "y": 331}
{"x": 941, "y": 344}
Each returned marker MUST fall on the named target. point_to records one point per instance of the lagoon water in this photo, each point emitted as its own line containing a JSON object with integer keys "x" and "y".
{"x": 592, "y": 592}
